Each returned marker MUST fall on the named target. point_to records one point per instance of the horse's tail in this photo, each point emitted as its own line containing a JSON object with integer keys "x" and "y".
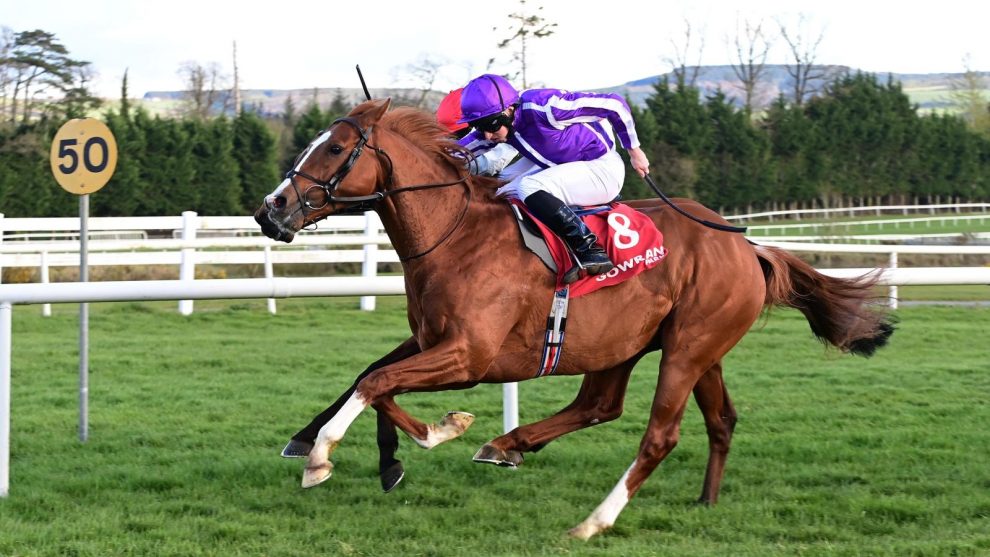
{"x": 839, "y": 310}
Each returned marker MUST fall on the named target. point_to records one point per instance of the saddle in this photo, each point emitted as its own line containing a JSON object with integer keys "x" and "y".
{"x": 631, "y": 239}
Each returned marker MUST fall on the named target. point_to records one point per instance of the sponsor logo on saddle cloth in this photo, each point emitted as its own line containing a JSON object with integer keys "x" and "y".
{"x": 630, "y": 238}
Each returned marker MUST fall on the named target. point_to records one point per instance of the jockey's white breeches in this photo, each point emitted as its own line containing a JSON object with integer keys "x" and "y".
{"x": 575, "y": 183}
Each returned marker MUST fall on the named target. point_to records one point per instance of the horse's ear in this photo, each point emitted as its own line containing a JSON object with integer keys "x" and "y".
{"x": 375, "y": 110}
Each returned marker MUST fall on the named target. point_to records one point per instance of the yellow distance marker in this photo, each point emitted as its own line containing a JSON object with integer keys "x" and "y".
{"x": 83, "y": 155}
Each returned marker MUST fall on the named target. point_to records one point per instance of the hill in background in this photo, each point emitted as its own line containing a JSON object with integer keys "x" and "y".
{"x": 929, "y": 91}
{"x": 272, "y": 102}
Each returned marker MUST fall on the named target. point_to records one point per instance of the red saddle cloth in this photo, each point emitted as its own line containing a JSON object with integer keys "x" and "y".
{"x": 630, "y": 238}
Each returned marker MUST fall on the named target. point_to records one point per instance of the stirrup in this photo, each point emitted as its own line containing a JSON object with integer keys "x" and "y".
{"x": 579, "y": 268}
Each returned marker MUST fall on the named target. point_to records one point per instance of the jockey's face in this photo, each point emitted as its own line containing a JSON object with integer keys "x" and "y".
{"x": 498, "y": 136}
{"x": 494, "y": 127}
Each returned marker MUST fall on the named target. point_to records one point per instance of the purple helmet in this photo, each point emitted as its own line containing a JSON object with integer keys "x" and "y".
{"x": 486, "y": 95}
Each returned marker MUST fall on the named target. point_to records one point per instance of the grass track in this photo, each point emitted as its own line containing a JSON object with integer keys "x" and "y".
{"x": 833, "y": 455}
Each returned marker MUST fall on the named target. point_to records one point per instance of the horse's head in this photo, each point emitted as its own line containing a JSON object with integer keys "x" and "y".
{"x": 329, "y": 176}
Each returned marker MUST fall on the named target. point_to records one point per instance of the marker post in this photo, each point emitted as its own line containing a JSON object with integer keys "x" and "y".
{"x": 83, "y": 157}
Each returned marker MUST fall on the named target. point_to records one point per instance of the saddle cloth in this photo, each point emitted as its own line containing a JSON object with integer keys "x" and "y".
{"x": 630, "y": 238}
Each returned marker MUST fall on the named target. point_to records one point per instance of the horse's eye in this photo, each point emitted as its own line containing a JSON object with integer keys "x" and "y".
{"x": 336, "y": 149}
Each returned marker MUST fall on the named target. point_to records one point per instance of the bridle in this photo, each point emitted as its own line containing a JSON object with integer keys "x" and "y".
{"x": 362, "y": 203}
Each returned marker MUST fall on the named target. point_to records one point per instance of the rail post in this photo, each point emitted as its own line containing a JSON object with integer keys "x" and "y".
{"x": 187, "y": 265}
{"x": 5, "y": 333}
{"x": 369, "y": 267}
{"x": 46, "y": 309}
{"x": 269, "y": 274}
{"x": 892, "y": 289}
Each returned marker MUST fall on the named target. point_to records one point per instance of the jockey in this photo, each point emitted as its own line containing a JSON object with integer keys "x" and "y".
{"x": 492, "y": 158}
{"x": 569, "y": 155}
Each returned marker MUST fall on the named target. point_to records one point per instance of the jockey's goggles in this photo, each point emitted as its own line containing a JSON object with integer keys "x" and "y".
{"x": 489, "y": 124}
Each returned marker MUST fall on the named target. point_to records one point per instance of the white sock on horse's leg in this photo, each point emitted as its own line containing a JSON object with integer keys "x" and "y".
{"x": 604, "y": 516}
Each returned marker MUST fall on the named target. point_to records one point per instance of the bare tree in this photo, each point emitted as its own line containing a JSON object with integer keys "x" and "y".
{"x": 7, "y": 71}
{"x": 685, "y": 74}
{"x": 237, "y": 85}
{"x": 205, "y": 88}
{"x": 524, "y": 27}
{"x": 804, "y": 73}
{"x": 969, "y": 97}
{"x": 422, "y": 75}
{"x": 751, "y": 49}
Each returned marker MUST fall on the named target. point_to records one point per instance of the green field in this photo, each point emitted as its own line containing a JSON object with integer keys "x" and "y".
{"x": 833, "y": 455}
{"x": 894, "y": 224}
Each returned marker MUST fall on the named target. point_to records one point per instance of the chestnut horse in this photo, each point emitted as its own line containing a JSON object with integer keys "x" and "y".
{"x": 478, "y": 301}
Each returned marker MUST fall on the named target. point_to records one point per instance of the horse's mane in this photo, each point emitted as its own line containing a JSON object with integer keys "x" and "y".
{"x": 422, "y": 130}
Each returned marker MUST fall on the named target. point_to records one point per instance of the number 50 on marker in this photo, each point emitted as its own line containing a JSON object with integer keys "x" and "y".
{"x": 83, "y": 155}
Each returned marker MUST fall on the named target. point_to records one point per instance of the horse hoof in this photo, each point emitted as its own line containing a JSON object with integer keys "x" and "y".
{"x": 457, "y": 421}
{"x": 450, "y": 427}
{"x": 491, "y": 455}
{"x": 296, "y": 449}
{"x": 316, "y": 475}
{"x": 391, "y": 476}
{"x": 585, "y": 531}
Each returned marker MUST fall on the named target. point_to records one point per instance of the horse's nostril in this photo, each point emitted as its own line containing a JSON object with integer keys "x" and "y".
{"x": 278, "y": 202}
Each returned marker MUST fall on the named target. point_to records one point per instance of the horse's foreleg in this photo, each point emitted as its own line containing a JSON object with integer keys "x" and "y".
{"x": 426, "y": 436}
{"x": 598, "y": 401}
{"x": 720, "y": 421}
{"x": 389, "y": 468}
{"x": 318, "y": 465}
{"x": 390, "y": 471}
{"x": 444, "y": 365}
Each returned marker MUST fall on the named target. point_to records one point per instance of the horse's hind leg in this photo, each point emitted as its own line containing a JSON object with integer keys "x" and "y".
{"x": 691, "y": 349}
{"x": 598, "y": 401}
{"x": 662, "y": 434}
{"x": 720, "y": 421}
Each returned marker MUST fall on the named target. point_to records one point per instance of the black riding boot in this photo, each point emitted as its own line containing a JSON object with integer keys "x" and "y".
{"x": 564, "y": 223}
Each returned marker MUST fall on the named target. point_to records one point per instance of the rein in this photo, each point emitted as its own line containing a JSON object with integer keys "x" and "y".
{"x": 367, "y": 202}
{"x": 708, "y": 223}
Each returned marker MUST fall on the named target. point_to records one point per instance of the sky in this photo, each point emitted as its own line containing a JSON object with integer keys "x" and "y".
{"x": 596, "y": 43}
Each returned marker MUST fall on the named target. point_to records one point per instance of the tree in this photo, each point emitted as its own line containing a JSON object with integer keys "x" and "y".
{"x": 795, "y": 151}
{"x": 168, "y": 168}
{"x": 256, "y": 155}
{"x": 969, "y": 97}
{"x": 124, "y": 194}
{"x": 7, "y": 71}
{"x": 870, "y": 131}
{"x": 523, "y": 27}
{"x": 951, "y": 160}
{"x": 423, "y": 75}
{"x": 125, "y": 101}
{"x": 634, "y": 187}
{"x": 751, "y": 49}
{"x": 306, "y": 127}
{"x": 216, "y": 178}
{"x": 40, "y": 68}
{"x": 236, "y": 89}
{"x": 206, "y": 90}
{"x": 339, "y": 107}
{"x": 804, "y": 73}
{"x": 283, "y": 128}
{"x": 681, "y": 137}
{"x": 685, "y": 73}
{"x": 27, "y": 188}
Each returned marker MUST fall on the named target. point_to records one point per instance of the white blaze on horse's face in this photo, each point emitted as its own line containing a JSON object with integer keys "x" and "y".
{"x": 286, "y": 185}
{"x": 282, "y": 207}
